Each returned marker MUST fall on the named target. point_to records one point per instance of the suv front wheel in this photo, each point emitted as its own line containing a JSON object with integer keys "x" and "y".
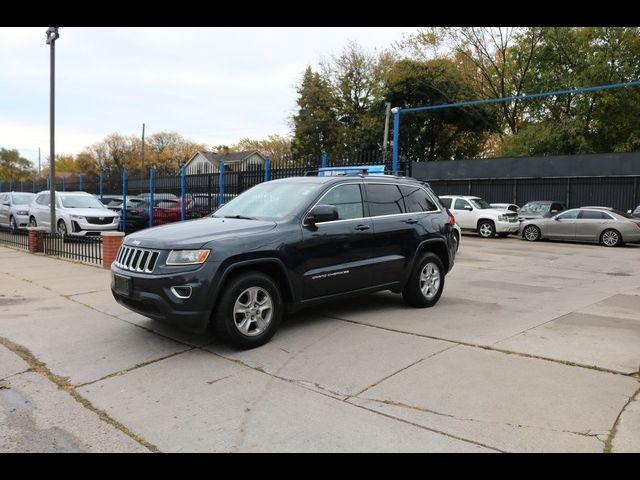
{"x": 425, "y": 283}
{"x": 249, "y": 311}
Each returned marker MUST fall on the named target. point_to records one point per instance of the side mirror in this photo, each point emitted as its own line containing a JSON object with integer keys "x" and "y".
{"x": 468, "y": 207}
{"x": 556, "y": 219}
{"x": 322, "y": 213}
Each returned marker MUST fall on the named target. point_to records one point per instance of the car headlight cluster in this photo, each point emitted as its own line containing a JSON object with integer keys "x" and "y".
{"x": 503, "y": 218}
{"x": 187, "y": 257}
{"x": 77, "y": 217}
{"x": 23, "y": 212}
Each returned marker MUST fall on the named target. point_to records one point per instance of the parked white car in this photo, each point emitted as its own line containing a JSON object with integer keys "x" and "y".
{"x": 77, "y": 213}
{"x": 476, "y": 214}
{"x": 14, "y": 209}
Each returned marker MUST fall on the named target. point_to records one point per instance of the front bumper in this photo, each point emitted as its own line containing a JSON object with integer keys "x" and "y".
{"x": 507, "y": 227}
{"x": 151, "y": 295}
{"x": 21, "y": 220}
{"x": 83, "y": 228}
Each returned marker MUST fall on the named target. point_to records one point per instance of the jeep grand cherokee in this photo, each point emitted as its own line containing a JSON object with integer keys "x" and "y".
{"x": 287, "y": 244}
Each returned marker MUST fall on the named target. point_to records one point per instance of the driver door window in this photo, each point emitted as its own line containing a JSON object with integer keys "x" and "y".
{"x": 461, "y": 204}
{"x": 347, "y": 199}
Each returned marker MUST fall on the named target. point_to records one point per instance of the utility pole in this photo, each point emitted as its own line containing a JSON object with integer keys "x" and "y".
{"x": 52, "y": 36}
{"x": 38, "y": 162}
{"x": 385, "y": 142}
{"x": 142, "y": 171}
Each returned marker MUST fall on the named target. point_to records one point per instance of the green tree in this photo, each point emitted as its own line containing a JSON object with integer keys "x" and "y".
{"x": 14, "y": 167}
{"x": 356, "y": 78}
{"x": 442, "y": 134}
{"x": 315, "y": 125}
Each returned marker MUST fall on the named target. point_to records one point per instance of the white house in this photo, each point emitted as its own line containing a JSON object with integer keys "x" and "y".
{"x": 209, "y": 162}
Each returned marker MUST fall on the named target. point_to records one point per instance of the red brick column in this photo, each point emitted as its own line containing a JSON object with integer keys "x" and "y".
{"x": 111, "y": 242}
{"x": 36, "y": 236}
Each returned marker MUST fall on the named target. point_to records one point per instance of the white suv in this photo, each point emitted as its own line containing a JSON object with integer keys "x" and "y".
{"x": 474, "y": 213}
{"x": 77, "y": 213}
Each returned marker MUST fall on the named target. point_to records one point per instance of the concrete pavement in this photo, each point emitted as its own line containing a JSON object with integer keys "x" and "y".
{"x": 532, "y": 347}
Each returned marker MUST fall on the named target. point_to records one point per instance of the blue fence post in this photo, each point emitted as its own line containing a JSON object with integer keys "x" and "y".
{"x": 221, "y": 185}
{"x": 152, "y": 187}
{"x": 267, "y": 168}
{"x": 100, "y": 187}
{"x": 49, "y": 182}
{"x": 183, "y": 193}
{"x": 33, "y": 185}
{"x": 124, "y": 201}
{"x": 323, "y": 160}
{"x": 81, "y": 189}
{"x": 396, "y": 140}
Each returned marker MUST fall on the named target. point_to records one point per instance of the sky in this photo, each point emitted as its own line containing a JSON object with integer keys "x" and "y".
{"x": 212, "y": 85}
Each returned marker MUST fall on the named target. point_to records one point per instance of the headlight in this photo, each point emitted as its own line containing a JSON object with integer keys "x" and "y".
{"x": 77, "y": 217}
{"x": 187, "y": 257}
{"x": 503, "y": 218}
{"x": 23, "y": 212}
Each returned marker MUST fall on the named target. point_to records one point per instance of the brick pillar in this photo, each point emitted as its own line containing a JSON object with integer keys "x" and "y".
{"x": 36, "y": 239}
{"x": 111, "y": 242}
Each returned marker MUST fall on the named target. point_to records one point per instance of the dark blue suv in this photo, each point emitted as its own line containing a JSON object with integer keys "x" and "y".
{"x": 284, "y": 245}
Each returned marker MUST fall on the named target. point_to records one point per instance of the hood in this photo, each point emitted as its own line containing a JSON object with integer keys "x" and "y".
{"x": 497, "y": 211}
{"x": 529, "y": 216}
{"x": 90, "y": 212}
{"x": 195, "y": 233}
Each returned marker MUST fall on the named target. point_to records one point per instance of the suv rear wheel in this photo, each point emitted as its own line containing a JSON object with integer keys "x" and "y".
{"x": 425, "y": 283}
{"x": 249, "y": 310}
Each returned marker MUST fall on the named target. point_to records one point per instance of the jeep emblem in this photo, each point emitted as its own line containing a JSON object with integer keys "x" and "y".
{"x": 136, "y": 242}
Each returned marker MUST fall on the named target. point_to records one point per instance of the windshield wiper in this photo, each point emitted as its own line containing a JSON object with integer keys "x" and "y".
{"x": 241, "y": 217}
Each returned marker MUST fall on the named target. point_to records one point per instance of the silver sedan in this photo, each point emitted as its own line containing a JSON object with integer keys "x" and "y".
{"x": 603, "y": 225}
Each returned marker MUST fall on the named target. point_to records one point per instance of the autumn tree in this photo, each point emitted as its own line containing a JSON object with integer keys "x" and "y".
{"x": 14, "y": 167}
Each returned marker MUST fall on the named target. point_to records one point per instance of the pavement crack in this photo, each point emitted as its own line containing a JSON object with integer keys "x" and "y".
{"x": 491, "y": 348}
{"x": 135, "y": 367}
{"x": 608, "y": 443}
{"x": 63, "y": 384}
{"x": 211, "y": 382}
{"x": 488, "y": 422}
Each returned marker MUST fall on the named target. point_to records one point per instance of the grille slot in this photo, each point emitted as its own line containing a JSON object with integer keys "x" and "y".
{"x": 136, "y": 259}
{"x": 100, "y": 220}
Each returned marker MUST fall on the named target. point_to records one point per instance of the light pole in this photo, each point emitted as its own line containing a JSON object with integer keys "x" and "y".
{"x": 52, "y": 36}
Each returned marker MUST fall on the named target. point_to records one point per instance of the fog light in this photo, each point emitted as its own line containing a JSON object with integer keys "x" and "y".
{"x": 181, "y": 291}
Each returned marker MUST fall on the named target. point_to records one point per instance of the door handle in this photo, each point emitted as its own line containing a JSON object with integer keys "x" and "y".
{"x": 411, "y": 220}
{"x": 361, "y": 227}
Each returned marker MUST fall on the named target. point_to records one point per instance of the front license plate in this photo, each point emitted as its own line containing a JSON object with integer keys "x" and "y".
{"x": 122, "y": 284}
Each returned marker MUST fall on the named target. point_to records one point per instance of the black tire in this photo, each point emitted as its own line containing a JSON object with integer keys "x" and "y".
{"x": 611, "y": 238}
{"x": 228, "y": 323}
{"x": 414, "y": 293}
{"x": 456, "y": 236}
{"x": 32, "y": 222}
{"x": 62, "y": 228}
{"x": 486, "y": 229}
{"x": 531, "y": 233}
{"x": 13, "y": 225}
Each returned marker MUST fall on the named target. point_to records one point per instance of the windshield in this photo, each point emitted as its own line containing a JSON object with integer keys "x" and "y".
{"x": 480, "y": 203}
{"x": 535, "y": 208}
{"x": 269, "y": 201}
{"x": 22, "y": 198}
{"x": 80, "y": 201}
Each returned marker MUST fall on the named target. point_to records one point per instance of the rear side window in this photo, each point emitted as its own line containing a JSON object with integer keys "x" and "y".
{"x": 43, "y": 199}
{"x": 417, "y": 199}
{"x": 347, "y": 199}
{"x": 593, "y": 215}
{"x": 384, "y": 200}
{"x": 446, "y": 202}
{"x": 460, "y": 204}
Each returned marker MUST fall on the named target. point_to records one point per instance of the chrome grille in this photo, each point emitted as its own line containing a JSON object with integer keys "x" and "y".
{"x": 136, "y": 259}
